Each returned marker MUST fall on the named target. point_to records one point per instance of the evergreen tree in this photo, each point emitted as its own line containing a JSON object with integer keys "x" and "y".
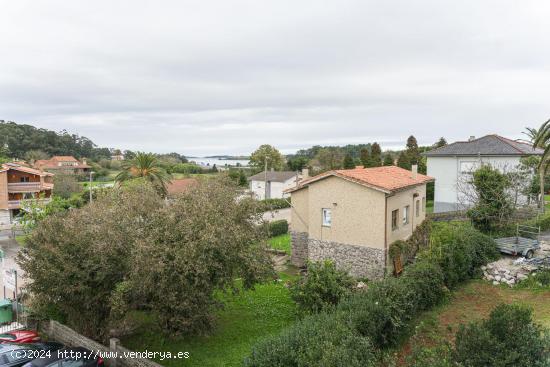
{"x": 348, "y": 162}
{"x": 403, "y": 160}
{"x": 440, "y": 143}
{"x": 375, "y": 155}
{"x": 388, "y": 160}
{"x": 365, "y": 157}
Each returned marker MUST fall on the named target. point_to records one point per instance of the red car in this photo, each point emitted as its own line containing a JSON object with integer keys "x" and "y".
{"x": 20, "y": 336}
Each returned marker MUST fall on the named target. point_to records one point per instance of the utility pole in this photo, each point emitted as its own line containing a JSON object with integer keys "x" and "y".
{"x": 265, "y": 178}
{"x": 91, "y": 173}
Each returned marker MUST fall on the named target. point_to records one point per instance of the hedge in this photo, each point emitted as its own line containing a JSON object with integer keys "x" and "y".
{"x": 274, "y": 204}
{"x": 380, "y": 316}
{"x": 278, "y": 227}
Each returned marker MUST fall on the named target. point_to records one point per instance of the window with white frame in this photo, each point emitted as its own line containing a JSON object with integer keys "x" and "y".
{"x": 394, "y": 219}
{"x": 417, "y": 208}
{"x": 406, "y": 214}
{"x": 327, "y": 217}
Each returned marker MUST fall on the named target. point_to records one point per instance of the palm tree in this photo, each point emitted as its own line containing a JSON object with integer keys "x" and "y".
{"x": 144, "y": 165}
{"x": 541, "y": 139}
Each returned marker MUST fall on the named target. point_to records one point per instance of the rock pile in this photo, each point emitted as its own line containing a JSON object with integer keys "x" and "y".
{"x": 500, "y": 274}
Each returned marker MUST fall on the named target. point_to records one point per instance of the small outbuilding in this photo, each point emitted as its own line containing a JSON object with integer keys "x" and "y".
{"x": 276, "y": 181}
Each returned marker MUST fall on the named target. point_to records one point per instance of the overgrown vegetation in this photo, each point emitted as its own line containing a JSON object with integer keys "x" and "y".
{"x": 322, "y": 287}
{"x": 379, "y": 317}
{"x": 277, "y": 228}
{"x": 274, "y": 204}
{"x": 127, "y": 250}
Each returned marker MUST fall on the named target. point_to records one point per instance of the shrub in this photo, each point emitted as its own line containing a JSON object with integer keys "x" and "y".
{"x": 274, "y": 204}
{"x": 538, "y": 280}
{"x": 322, "y": 287}
{"x": 278, "y": 227}
{"x": 320, "y": 340}
{"x": 460, "y": 250}
{"x": 508, "y": 338}
{"x": 383, "y": 312}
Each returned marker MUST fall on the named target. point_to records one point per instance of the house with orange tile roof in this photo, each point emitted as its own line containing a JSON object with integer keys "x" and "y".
{"x": 352, "y": 216}
{"x": 63, "y": 164}
{"x": 179, "y": 186}
{"x": 18, "y": 183}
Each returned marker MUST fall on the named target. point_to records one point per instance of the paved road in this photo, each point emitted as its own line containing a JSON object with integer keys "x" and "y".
{"x": 11, "y": 249}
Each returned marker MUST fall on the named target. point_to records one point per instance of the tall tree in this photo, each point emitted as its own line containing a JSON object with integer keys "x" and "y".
{"x": 541, "y": 139}
{"x": 348, "y": 162}
{"x": 330, "y": 158}
{"x": 267, "y": 153}
{"x": 440, "y": 143}
{"x": 388, "y": 160}
{"x": 403, "y": 160}
{"x": 146, "y": 166}
{"x": 365, "y": 157}
{"x": 375, "y": 155}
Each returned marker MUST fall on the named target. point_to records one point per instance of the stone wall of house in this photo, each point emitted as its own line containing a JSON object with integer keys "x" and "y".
{"x": 359, "y": 261}
{"x": 299, "y": 244}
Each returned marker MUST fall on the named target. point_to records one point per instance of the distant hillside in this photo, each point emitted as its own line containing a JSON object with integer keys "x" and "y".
{"x": 17, "y": 139}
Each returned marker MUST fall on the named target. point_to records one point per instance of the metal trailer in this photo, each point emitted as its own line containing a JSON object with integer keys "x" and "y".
{"x": 524, "y": 243}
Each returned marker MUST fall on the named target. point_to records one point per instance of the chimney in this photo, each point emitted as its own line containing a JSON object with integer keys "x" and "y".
{"x": 305, "y": 173}
{"x": 472, "y": 137}
{"x": 84, "y": 161}
{"x": 414, "y": 170}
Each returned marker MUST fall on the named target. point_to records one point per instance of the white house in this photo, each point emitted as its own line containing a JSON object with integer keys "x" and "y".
{"x": 277, "y": 183}
{"x": 453, "y": 164}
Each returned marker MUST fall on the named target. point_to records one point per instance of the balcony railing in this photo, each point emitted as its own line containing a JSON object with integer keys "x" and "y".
{"x": 29, "y": 186}
{"x": 16, "y": 204}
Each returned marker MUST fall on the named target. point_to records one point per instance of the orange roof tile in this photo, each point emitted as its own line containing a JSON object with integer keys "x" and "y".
{"x": 386, "y": 178}
{"x": 179, "y": 186}
{"x": 18, "y": 167}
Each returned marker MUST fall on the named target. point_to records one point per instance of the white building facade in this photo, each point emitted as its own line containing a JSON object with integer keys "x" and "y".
{"x": 277, "y": 182}
{"x": 452, "y": 167}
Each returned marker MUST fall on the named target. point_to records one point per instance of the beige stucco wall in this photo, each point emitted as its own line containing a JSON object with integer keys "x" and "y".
{"x": 357, "y": 212}
{"x": 398, "y": 201}
{"x": 3, "y": 190}
{"x": 299, "y": 215}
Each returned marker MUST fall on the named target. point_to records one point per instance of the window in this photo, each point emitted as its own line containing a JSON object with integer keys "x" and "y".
{"x": 394, "y": 216}
{"x": 327, "y": 217}
{"x": 417, "y": 208}
{"x": 423, "y": 204}
{"x": 24, "y": 179}
{"x": 406, "y": 215}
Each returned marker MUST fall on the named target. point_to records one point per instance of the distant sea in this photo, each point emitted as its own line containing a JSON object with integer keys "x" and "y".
{"x": 209, "y": 162}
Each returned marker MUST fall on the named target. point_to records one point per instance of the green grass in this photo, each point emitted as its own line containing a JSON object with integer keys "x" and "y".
{"x": 21, "y": 239}
{"x": 281, "y": 242}
{"x": 430, "y": 206}
{"x": 97, "y": 183}
{"x": 246, "y": 318}
{"x": 471, "y": 301}
{"x": 547, "y": 201}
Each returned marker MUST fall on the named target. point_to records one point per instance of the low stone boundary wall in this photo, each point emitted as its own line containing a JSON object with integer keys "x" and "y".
{"x": 359, "y": 261}
{"x": 64, "y": 334}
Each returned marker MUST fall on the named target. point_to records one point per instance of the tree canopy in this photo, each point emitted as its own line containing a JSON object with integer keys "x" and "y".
{"x": 267, "y": 153}
{"x": 17, "y": 140}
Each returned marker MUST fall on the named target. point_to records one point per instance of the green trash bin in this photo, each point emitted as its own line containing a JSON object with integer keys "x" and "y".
{"x": 6, "y": 311}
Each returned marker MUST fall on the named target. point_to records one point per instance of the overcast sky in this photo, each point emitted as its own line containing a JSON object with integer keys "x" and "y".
{"x": 222, "y": 77}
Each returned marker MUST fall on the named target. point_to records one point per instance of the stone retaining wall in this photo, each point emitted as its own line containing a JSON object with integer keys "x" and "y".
{"x": 299, "y": 244}
{"x": 359, "y": 261}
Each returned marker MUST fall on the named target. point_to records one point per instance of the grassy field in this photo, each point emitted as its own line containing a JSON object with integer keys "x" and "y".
{"x": 472, "y": 301}
{"x": 246, "y": 318}
{"x": 281, "y": 242}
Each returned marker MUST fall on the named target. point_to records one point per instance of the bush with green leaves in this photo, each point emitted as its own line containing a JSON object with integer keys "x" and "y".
{"x": 384, "y": 311}
{"x": 460, "y": 250}
{"x": 493, "y": 204}
{"x": 274, "y": 204}
{"x": 537, "y": 280}
{"x": 277, "y": 227}
{"x": 322, "y": 287}
{"x": 509, "y": 337}
{"x": 320, "y": 340}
